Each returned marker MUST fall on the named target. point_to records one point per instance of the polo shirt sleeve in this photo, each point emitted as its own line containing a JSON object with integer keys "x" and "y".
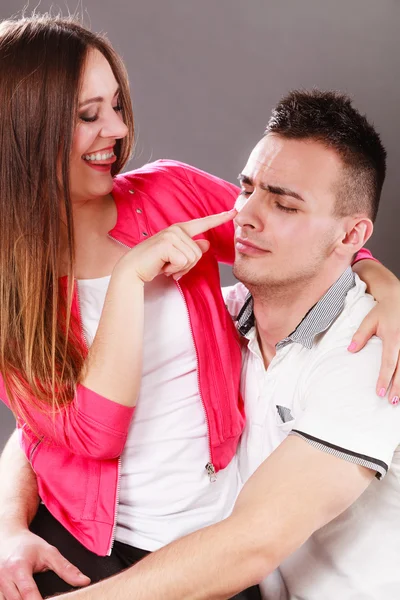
{"x": 341, "y": 412}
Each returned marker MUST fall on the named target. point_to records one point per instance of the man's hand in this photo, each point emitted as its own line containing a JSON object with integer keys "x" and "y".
{"x": 23, "y": 553}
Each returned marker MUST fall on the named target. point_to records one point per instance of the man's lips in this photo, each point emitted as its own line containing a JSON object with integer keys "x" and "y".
{"x": 245, "y": 247}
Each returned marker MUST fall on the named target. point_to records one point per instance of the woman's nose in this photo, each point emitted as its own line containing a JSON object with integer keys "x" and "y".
{"x": 114, "y": 127}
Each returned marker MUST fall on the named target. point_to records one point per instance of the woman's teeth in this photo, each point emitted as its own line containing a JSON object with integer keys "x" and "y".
{"x": 98, "y": 156}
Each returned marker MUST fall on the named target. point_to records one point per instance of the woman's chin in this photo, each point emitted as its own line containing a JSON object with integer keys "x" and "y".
{"x": 94, "y": 189}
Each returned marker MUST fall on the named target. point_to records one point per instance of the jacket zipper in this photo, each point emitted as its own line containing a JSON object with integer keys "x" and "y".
{"x": 35, "y": 447}
{"x": 114, "y": 529}
{"x": 210, "y": 469}
{"x": 210, "y": 336}
{"x": 119, "y": 458}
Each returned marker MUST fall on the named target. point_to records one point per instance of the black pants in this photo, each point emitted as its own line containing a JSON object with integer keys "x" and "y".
{"x": 95, "y": 567}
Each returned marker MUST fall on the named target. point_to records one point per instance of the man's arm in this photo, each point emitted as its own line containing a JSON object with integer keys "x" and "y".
{"x": 19, "y": 498}
{"x": 21, "y": 552}
{"x": 297, "y": 490}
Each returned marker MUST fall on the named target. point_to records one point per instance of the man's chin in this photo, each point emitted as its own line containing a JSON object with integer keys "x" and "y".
{"x": 256, "y": 276}
{"x": 245, "y": 274}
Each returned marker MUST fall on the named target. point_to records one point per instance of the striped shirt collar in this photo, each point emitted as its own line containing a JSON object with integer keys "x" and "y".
{"x": 318, "y": 319}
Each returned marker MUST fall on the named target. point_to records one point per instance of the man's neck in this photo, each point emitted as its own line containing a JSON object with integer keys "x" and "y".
{"x": 279, "y": 310}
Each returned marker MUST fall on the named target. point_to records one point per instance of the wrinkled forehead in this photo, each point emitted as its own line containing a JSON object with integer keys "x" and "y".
{"x": 304, "y": 164}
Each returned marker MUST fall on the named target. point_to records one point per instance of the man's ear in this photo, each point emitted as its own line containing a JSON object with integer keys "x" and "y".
{"x": 359, "y": 230}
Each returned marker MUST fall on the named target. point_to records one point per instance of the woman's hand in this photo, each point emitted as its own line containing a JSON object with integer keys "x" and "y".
{"x": 172, "y": 251}
{"x": 23, "y": 553}
{"x": 113, "y": 367}
{"x": 384, "y": 321}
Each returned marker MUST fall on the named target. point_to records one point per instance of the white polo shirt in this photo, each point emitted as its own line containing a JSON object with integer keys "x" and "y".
{"x": 314, "y": 388}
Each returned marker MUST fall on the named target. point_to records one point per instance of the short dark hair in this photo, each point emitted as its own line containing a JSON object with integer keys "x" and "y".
{"x": 329, "y": 117}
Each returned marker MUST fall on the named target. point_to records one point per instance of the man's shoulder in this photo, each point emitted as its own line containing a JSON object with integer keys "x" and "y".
{"x": 358, "y": 303}
{"x": 330, "y": 356}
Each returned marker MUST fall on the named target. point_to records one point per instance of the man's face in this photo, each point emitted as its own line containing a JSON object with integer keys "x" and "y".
{"x": 285, "y": 228}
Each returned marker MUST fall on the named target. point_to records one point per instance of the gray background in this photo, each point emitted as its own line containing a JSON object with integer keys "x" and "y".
{"x": 205, "y": 75}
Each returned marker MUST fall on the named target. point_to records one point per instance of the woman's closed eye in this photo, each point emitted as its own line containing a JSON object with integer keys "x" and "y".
{"x": 90, "y": 118}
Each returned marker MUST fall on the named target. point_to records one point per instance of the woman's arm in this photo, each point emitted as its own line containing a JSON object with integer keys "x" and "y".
{"x": 114, "y": 365}
{"x": 383, "y": 321}
{"x": 97, "y": 421}
{"x": 211, "y": 194}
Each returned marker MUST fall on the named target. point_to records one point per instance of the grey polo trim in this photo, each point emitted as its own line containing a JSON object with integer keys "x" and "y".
{"x": 374, "y": 464}
{"x": 245, "y": 319}
{"x": 284, "y": 413}
{"x": 318, "y": 319}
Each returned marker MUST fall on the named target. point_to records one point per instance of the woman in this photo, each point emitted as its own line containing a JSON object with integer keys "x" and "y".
{"x": 72, "y": 276}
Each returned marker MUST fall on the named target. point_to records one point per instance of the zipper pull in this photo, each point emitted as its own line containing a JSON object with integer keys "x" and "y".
{"x": 211, "y": 472}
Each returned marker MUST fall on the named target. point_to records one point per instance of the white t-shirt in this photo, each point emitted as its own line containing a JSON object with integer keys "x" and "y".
{"x": 323, "y": 393}
{"x": 165, "y": 491}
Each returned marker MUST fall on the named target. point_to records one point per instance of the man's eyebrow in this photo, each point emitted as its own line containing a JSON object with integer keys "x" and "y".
{"x": 96, "y": 99}
{"x": 280, "y": 191}
{"x": 273, "y": 189}
{"x": 244, "y": 179}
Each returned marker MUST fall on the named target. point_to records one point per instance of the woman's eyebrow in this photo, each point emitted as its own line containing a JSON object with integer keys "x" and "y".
{"x": 95, "y": 99}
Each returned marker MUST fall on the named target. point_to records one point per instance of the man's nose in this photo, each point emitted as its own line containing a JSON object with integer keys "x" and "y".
{"x": 249, "y": 213}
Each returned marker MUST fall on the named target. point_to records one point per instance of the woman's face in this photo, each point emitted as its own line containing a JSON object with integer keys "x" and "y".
{"x": 99, "y": 126}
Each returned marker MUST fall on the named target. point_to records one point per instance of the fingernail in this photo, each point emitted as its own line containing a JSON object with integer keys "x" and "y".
{"x": 382, "y": 392}
{"x": 352, "y": 346}
{"x": 395, "y": 400}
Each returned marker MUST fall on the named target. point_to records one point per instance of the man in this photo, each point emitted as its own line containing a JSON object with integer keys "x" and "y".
{"x": 318, "y": 440}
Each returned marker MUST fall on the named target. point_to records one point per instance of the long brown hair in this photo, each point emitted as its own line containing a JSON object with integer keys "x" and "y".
{"x": 41, "y": 64}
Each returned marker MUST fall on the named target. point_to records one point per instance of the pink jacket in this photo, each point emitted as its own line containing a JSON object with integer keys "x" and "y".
{"x": 76, "y": 459}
